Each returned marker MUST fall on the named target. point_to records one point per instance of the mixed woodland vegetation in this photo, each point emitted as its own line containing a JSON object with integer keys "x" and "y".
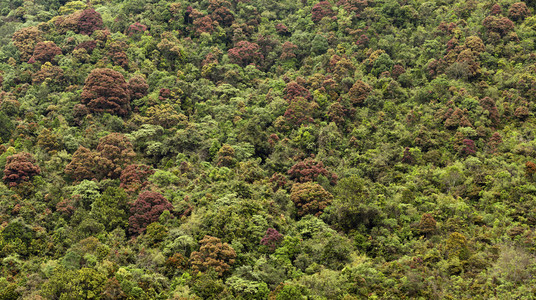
{"x": 267, "y": 149}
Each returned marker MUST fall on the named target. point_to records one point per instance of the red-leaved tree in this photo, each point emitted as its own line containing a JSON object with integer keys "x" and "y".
{"x": 134, "y": 177}
{"x": 138, "y": 87}
{"x": 20, "y": 168}
{"x": 46, "y": 51}
{"x": 309, "y": 170}
{"x": 322, "y": 10}
{"x": 272, "y": 239}
{"x": 106, "y": 90}
{"x": 245, "y": 53}
{"x": 114, "y": 153}
{"x": 88, "y": 21}
{"x": 146, "y": 210}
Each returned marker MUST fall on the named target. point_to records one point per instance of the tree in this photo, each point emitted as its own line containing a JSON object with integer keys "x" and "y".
{"x": 427, "y": 224}
{"x": 309, "y": 169}
{"x": 46, "y": 51}
{"x": 135, "y": 29}
{"x": 105, "y": 90}
{"x": 50, "y": 74}
{"x": 134, "y": 177}
{"x": 213, "y": 255}
{"x": 245, "y": 53}
{"x": 88, "y": 21}
{"x": 498, "y": 25}
{"x": 146, "y": 210}
{"x": 518, "y": 11}
{"x": 359, "y": 92}
{"x": 220, "y": 12}
{"x": 310, "y": 198}
{"x": 20, "y": 167}
{"x": 226, "y": 156}
{"x": 322, "y": 10}
{"x": 294, "y": 90}
{"x": 115, "y": 152}
{"x": 116, "y": 51}
{"x": 272, "y": 239}
{"x": 137, "y": 87}
{"x": 300, "y": 111}
{"x": 25, "y": 40}
{"x": 82, "y": 165}
{"x": 111, "y": 209}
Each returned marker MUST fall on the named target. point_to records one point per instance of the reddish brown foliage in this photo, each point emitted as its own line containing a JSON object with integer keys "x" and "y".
{"x": 176, "y": 262}
{"x": 279, "y": 181}
{"x": 136, "y": 28}
{"x": 530, "y": 169}
{"x": 88, "y": 45}
{"x": 518, "y": 11}
{"x": 137, "y": 87}
{"x": 488, "y": 104}
{"x": 288, "y": 50}
{"x": 337, "y": 113}
{"x": 407, "y": 157}
{"x": 309, "y": 170}
{"x": 322, "y": 10}
{"x": 213, "y": 255}
{"x": 496, "y": 10}
{"x": 359, "y": 92}
{"x": 445, "y": 28}
{"x": 146, "y": 210}
{"x": 203, "y": 24}
{"x": 499, "y": 25}
{"x": 25, "y": 40}
{"x": 522, "y": 112}
{"x": 355, "y": 6}
{"x": 468, "y": 147}
{"x": 115, "y": 151}
{"x": 220, "y": 12}
{"x": 245, "y": 53}
{"x": 116, "y": 51}
{"x": 294, "y": 90}
{"x": 48, "y": 73}
{"x": 66, "y": 207}
{"x": 82, "y": 165}
{"x": 310, "y": 198}
{"x": 105, "y": 90}
{"x": 46, "y": 51}
{"x": 300, "y": 111}
{"x": 282, "y": 29}
{"x": 494, "y": 141}
{"x": 272, "y": 239}
{"x": 134, "y": 177}
{"x": 397, "y": 71}
{"x": 20, "y": 168}
{"x": 457, "y": 119}
{"x": 88, "y": 21}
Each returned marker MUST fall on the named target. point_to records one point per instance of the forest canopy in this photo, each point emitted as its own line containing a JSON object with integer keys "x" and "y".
{"x": 248, "y": 149}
